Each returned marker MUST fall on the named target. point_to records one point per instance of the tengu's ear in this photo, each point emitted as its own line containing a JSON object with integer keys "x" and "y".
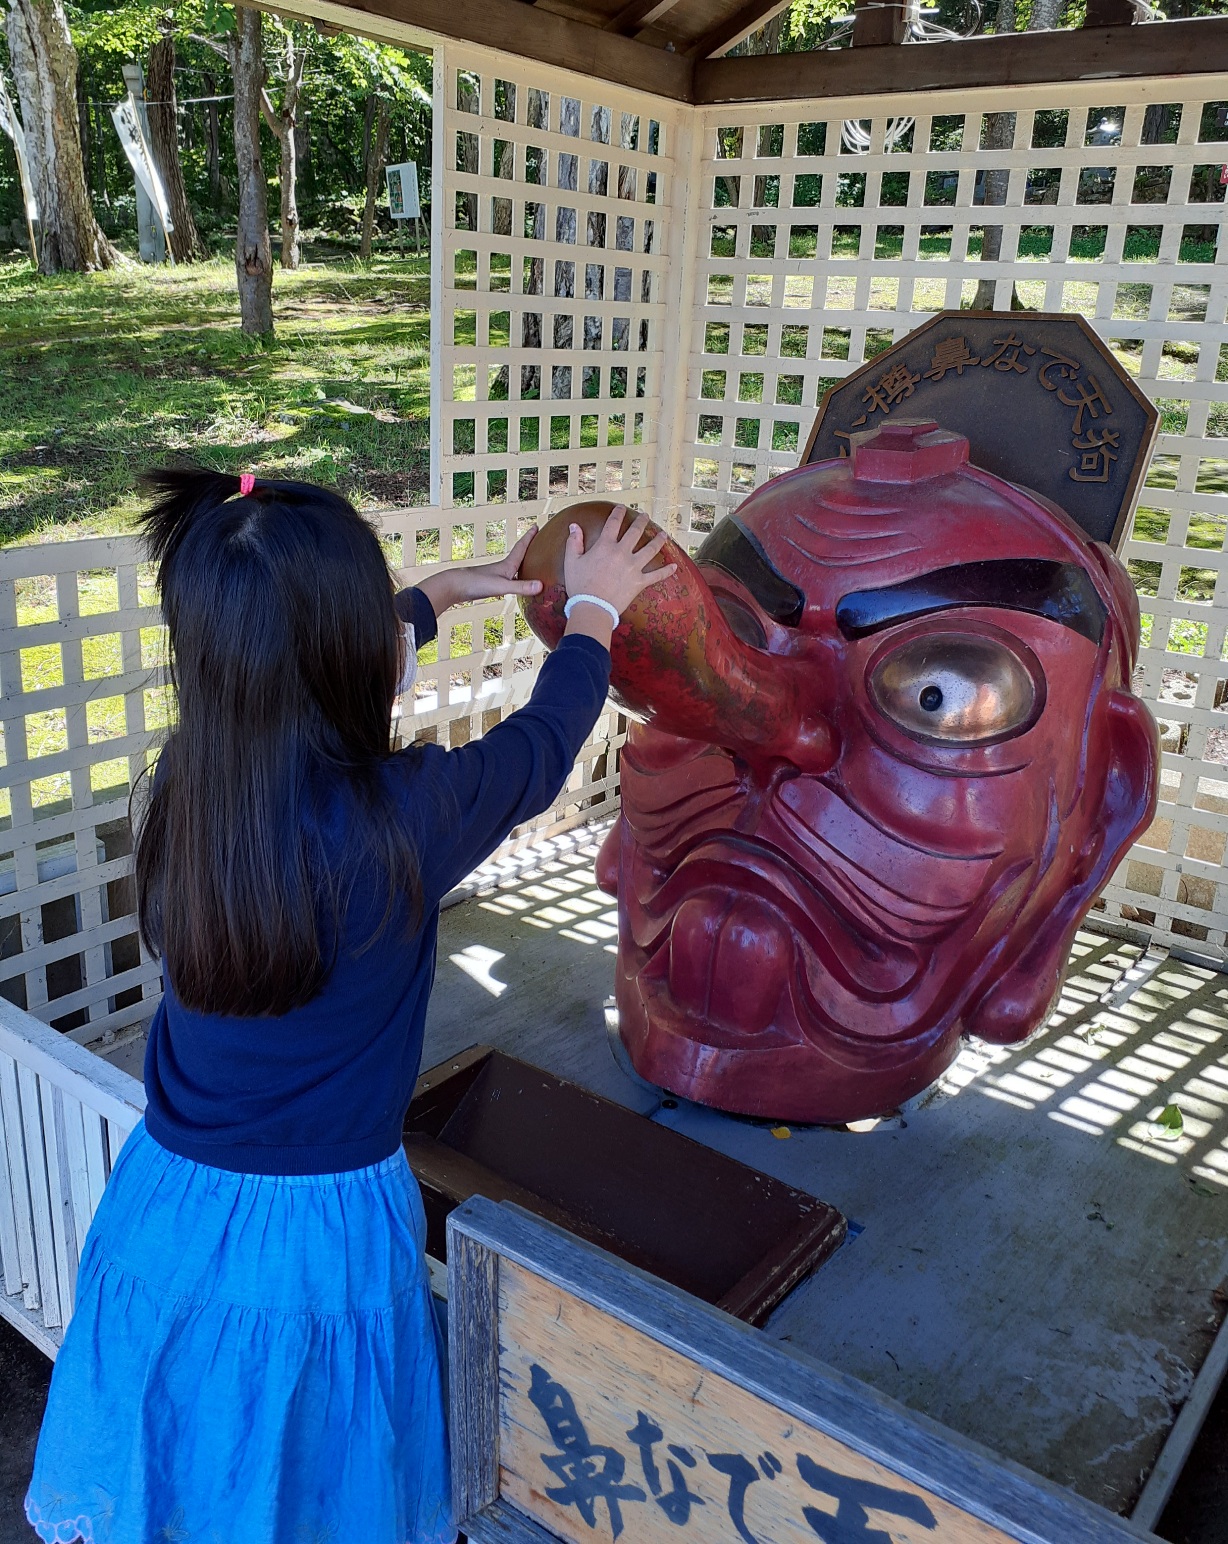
{"x": 179, "y": 494}
{"x": 1020, "y": 998}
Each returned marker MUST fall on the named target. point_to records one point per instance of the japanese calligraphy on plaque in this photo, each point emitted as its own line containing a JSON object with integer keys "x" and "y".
{"x": 592, "y": 1403}
{"x": 642, "y": 1460}
{"x": 1041, "y": 399}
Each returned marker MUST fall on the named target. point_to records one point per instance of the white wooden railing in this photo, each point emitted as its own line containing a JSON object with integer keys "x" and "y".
{"x": 64, "y": 1115}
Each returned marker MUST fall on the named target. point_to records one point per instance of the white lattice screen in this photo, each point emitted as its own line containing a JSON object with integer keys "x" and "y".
{"x": 551, "y": 243}
{"x": 82, "y": 649}
{"x": 81, "y": 640}
{"x": 633, "y": 297}
{"x": 810, "y": 257}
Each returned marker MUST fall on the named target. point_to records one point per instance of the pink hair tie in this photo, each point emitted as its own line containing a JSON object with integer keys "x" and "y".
{"x": 247, "y": 482}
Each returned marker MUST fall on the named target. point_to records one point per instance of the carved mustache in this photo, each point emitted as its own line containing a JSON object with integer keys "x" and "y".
{"x": 677, "y": 662}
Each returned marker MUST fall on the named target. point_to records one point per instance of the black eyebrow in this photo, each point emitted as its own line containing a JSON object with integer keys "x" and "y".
{"x": 1063, "y": 592}
{"x": 732, "y": 548}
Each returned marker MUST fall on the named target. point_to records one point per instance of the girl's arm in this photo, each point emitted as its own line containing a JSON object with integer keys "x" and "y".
{"x": 454, "y": 586}
{"x": 584, "y": 571}
{"x": 483, "y": 790}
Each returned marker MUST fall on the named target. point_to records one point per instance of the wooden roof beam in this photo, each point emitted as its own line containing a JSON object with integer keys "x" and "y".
{"x": 636, "y": 13}
{"x": 1177, "y": 48}
{"x": 510, "y": 26}
{"x": 736, "y": 28}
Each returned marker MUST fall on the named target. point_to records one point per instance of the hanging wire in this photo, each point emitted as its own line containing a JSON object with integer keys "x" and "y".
{"x": 855, "y": 133}
{"x": 149, "y": 102}
{"x": 917, "y": 26}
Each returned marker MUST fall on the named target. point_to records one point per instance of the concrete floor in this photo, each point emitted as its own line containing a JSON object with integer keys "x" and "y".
{"x": 1038, "y": 1267}
{"x": 1035, "y": 1266}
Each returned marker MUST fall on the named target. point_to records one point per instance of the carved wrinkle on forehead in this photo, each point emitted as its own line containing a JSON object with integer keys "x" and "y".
{"x": 851, "y": 545}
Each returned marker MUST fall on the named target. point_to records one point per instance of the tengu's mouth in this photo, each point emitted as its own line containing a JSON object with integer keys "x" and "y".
{"x": 741, "y": 939}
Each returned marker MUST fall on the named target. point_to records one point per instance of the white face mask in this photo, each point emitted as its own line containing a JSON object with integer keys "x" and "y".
{"x": 409, "y": 671}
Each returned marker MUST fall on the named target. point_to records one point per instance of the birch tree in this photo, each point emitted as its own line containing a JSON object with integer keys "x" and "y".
{"x": 282, "y": 120}
{"x": 44, "y": 64}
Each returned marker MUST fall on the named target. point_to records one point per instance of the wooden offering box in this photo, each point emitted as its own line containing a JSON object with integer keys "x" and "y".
{"x": 485, "y": 1124}
{"x": 592, "y": 1403}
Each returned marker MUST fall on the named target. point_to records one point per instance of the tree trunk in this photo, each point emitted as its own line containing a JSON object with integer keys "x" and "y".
{"x": 45, "y": 70}
{"x": 283, "y": 122}
{"x": 377, "y": 149}
{"x": 999, "y": 135}
{"x": 291, "y": 247}
{"x": 1046, "y": 15}
{"x": 368, "y": 126}
{"x": 253, "y": 249}
{"x": 467, "y": 155}
{"x": 1155, "y": 123}
{"x": 185, "y": 242}
{"x": 213, "y": 144}
{"x": 767, "y": 39}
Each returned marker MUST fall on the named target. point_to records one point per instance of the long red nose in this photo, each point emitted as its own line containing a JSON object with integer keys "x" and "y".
{"x": 677, "y": 662}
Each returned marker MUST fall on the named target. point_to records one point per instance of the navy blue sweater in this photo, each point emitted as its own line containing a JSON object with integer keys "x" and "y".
{"x": 325, "y": 1087}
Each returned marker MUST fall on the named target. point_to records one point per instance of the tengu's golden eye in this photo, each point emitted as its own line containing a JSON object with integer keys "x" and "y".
{"x": 955, "y": 689}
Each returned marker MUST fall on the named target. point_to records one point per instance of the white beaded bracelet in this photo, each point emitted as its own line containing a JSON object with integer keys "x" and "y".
{"x": 593, "y": 600}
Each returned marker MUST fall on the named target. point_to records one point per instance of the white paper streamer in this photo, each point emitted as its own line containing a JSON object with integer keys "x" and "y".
{"x": 11, "y": 124}
{"x": 128, "y": 127}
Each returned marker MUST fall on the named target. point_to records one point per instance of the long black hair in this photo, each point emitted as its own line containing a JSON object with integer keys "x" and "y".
{"x": 285, "y": 652}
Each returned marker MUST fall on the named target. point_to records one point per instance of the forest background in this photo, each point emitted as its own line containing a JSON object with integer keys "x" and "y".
{"x": 309, "y": 355}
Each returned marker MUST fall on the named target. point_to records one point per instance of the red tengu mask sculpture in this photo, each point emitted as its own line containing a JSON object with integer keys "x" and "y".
{"x": 888, "y": 754}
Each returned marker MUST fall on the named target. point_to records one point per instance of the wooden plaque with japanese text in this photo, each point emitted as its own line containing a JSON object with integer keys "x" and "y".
{"x": 1041, "y": 399}
{"x": 591, "y": 1402}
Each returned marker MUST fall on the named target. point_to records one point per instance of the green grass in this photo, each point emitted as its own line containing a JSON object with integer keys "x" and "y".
{"x": 1205, "y": 533}
{"x": 102, "y": 374}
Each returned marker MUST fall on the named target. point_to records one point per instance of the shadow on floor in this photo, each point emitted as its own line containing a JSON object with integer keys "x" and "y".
{"x": 24, "y": 1375}
{"x": 1054, "y": 1136}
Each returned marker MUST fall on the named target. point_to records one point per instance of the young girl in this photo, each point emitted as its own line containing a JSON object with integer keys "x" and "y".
{"x": 254, "y": 1358}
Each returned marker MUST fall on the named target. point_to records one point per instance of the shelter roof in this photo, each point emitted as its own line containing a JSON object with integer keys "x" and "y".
{"x": 676, "y": 48}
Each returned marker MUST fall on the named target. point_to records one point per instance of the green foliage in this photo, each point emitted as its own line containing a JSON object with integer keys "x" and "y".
{"x": 810, "y": 23}
{"x": 102, "y": 374}
{"x": 341, "y": 75}
{"x": 1171, "y": 1121}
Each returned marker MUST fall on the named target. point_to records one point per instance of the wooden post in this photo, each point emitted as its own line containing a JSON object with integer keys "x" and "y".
{"x": 1110, "y": 13}
{"x": 150, "y": 235}
{"x": 876, "y": 22}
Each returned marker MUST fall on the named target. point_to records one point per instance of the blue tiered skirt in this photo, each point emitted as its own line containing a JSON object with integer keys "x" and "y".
{"x": 252, "y": 1360}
